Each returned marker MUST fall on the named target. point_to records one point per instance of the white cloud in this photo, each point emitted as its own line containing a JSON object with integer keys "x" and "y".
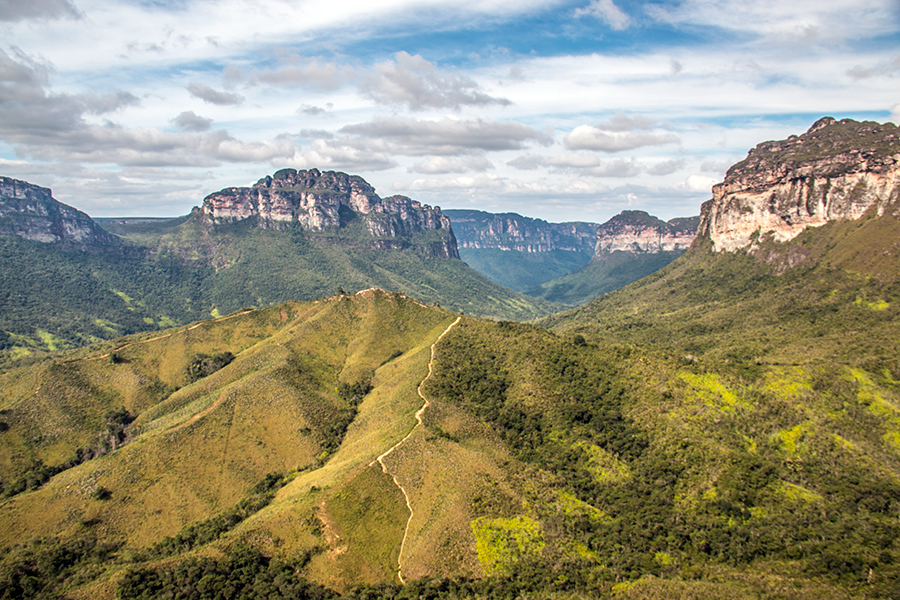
{"x": 440, "y": 165}
{"x": 348, "y": 155}
{"x": 20, "y": 10}
{"x": 448, "y": 136}
{"x": 666, "y": 167}
{"x": 606, "y": 11}
{"x": 527, "y": 162}
{"x": 208, "y": 94}
{"x": 308, "y": 73}
{"x": 478, "y": 182}
{"x": 419, "y": 84}
{"x": 698, "y": 183}
{"x": 588, "y": 137}
{"x": 190, "y": 121}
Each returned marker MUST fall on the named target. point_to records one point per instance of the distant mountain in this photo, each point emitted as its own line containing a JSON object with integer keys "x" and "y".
{"x": 521, "y": 252}
{"x": 295, "y": 235}
{"x": 631, "y": 245}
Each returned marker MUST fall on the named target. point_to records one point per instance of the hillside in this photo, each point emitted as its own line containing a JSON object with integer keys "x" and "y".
{"x": 67, "y": 282}
{"x": 728, "y": 427}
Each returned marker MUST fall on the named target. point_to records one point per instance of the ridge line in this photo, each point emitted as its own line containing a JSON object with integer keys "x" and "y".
{"x": 380, "y": 459}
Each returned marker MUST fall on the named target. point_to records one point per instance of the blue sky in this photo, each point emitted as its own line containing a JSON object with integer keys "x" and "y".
{"x": 557, "y": 110}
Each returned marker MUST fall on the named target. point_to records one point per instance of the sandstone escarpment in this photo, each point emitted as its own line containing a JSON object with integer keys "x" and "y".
{"x": 836, "y": 170}
{"x": 30, "y": 211}
{"x": 317, "y": 202}
{"x": 477, "y": 229}
{"x": 639, "y": 232}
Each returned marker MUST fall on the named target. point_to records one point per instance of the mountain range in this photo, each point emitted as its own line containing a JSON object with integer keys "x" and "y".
{"x": 727, "y": 427}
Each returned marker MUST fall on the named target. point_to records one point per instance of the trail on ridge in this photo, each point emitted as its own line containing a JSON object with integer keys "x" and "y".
{"x": 381, "y": 458}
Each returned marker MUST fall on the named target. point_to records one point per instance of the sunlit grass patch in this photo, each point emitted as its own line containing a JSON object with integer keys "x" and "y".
{"x": 500, "y": 543}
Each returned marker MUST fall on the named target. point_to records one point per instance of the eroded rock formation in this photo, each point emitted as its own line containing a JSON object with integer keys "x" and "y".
{"x": 639, "y": 232}
{"x": 836, "y": 170}
{"x": 318, "y": 201}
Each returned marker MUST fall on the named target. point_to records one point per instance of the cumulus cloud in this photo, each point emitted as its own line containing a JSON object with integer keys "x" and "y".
{"x": 208, "y": 94}
{"x": 666, "y": 167}
{"x": 190, "y": 121}
{"x": 527, "y": 162}
{"x": 321, "y": 134}
{"x": 615, "y": 168}
{"x": 415, "y": 137}
{"x": 697, "y": 183}
{"x": 315, "y": 111}
{"x": 591, "y": 165}
{"x": 308, "y": 73}
{"x": 20, "y": 10}
{"x": 341, "y": 154}
{"x": 606, "y": 11}
{"x": 479, "y": 182}
{"x": 887, "y": 67}
{"x": 574, "y": 161}
{"x": 588, "y": 137}
{"x": 52, "y": 127}
{"x": 419, "y": 84}
{"x": 440, "y": 165}
{"x": 895, "y": 114}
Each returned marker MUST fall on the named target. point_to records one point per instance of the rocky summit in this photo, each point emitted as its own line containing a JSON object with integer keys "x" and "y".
{"x": 318, "y": 201}
{"x": 639, "y": 232}
{"x": 836, "y": 170}
{"x": 30, "y": 211}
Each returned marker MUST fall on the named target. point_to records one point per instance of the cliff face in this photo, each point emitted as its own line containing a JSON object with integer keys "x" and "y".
{"x": 30, "y": 211}
{"x": 836, "y": 170}
{"x": 641, "y": 233}
{"x": 319, "y": 201}
{"x": 509, "y": 231}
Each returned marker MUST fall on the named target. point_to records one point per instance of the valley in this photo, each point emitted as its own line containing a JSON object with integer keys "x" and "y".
{"x": 727, "y": 426}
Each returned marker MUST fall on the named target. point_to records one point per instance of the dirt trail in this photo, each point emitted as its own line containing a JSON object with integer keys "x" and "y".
{"x": 380, "y": 459}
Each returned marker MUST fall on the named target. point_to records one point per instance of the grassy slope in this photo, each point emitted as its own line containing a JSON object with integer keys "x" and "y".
{"x": 784, "y": 388}
{"x": 562, "y": 468}
{"x": 55, "y": 298}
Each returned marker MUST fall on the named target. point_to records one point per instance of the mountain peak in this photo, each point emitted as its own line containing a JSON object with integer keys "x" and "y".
{"x": 318, "y": 201}
{"x": 637, "y": 231}
{"x": 836, "y": 170}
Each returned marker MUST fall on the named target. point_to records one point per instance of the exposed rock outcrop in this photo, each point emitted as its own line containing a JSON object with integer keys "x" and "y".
{"x": 513, "y": 232}
{"x": 641, "y": 233}
{"x": 30, "y": 211}
{"x": 318, "y": 201}
{"x": 836, "y": 170}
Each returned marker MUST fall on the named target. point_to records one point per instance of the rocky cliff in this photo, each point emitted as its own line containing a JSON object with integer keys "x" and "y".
{"x": 477, "y": 229}
{"x": 30, "y": 211}
{"x": 836, "y": 170}
{"x": 318, "y": 202}
{"x": 641, "y": 233}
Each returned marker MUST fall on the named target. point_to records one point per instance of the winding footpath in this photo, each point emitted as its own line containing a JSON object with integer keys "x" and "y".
{"x": 380, "y": 459}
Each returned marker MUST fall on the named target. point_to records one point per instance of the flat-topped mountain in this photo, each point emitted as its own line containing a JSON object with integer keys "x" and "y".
{"x": 639, "y": 232}
{"x": 511, "y": 231}
{"x": 317, "y": 201}
{"x": 836, "y": 170}
{"x": 30, "y": 212}
{"x": 631, "y": 245}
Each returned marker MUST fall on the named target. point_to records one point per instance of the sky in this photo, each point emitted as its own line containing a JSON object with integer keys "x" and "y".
{"x": 560, "y": 110}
